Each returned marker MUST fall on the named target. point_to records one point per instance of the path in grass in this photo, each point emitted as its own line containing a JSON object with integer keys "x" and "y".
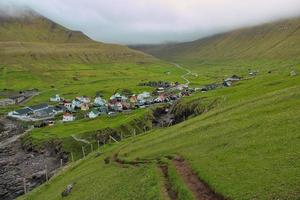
{"x": 189, "y": 72}
{"x": 80, "y": 140}
{"x": 197, "y": 187}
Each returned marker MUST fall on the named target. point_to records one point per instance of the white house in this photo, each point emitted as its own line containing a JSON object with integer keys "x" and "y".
{"x": 83, "y": 99}
{"x": 76, "y": 103}
{"x": 99, "y": 101}
{"x": 67, "y": 117}
{"x": 143, "y": 96}
{"x": 55, "y": 99}
{"x": 93, "y": 114}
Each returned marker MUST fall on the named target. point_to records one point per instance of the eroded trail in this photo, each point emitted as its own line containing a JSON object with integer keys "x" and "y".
{"x": 199, "y": 189}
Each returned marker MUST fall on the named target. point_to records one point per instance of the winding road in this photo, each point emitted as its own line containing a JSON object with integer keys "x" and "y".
{"x": 184, "y": 76}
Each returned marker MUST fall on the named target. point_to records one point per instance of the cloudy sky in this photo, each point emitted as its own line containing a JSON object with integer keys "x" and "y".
{"x": 158, "y": 21}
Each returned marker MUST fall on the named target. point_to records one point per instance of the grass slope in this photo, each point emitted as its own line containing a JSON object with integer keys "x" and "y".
{"x": 278, "y": 40}
{"x": 245, "y": 148}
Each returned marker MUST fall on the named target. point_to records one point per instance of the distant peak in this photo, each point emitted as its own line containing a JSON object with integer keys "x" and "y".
{"x": 13, "y": 11}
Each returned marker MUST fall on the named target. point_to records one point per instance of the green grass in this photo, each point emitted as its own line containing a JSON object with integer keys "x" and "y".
{"x": 103, "y": 181}
{"x": 245, "y": 148}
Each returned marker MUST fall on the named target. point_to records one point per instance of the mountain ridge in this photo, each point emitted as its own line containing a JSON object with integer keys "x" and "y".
{"x": 267, "y": 41}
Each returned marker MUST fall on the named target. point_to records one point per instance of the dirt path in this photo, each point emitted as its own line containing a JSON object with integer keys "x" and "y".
{"x": 199, "y": 189}
{"x": 80, "y": 140}
{"x": 169, "y": 193}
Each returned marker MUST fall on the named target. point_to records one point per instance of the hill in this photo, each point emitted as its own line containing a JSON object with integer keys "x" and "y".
{"x": 29, "y": 37}
{"x": 277, "y": 40}
{"x": 246, "y": 147}
{"x": 30, "y": 26}
{"x": 36, "y": 52}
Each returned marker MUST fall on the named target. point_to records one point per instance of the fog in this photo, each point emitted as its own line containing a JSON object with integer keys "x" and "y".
{"x": 155, "y": 21}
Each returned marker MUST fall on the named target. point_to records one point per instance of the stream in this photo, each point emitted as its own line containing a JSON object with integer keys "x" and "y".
{"x": 20, "y": 169}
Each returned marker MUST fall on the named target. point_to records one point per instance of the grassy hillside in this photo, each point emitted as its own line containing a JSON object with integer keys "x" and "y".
{"x": 245, "y": 148}
{"x": 31, "y": 38}
{"x": 32, "y": 27}
{"x": 38, "y": 53}
{"x": 278, "y": 40}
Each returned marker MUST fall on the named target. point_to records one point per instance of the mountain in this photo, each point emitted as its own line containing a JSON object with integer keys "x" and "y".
{"x": 29, "y": 37}
{"x": 32, "y": 27}
{"x": 277, "y": 40}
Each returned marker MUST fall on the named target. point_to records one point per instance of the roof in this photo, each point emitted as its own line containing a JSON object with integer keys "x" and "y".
{"x": 16, "y": 96}
{"x": 94, "y": 111}
{"x": 23, "y": 111}
{"x": 38, "y": 107}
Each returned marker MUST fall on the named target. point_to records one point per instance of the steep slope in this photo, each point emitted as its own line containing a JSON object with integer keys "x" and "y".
{"x": 278, "y": 40}
{"x": 29, "y": 37}
{"x": 32, "y": 27}
{"x": 247, "y": 147}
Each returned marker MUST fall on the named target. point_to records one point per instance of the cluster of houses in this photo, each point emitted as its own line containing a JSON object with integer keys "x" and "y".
{"x": 98, "y": 106}
{"x": 164, "y": 92}
{"x": 228, "y": 82}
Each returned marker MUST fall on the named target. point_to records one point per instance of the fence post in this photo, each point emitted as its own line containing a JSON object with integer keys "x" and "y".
{"x": 46, "y": 170}
{"x": 72, "y": 157}
{"x": 24, "y": 183}
{"x": 83, "y": 153}
{"x": 98, "y": 144}
{"x": 92, "y": 149}
{"x": 61, "y": 163}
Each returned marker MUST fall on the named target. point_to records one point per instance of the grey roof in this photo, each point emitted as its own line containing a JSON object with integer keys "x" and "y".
{"x": 38, "y": 107}
{"x": 23, "y": 111}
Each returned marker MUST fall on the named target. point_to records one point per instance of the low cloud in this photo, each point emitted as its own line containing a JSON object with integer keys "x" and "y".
{"x": 156, "y": 21}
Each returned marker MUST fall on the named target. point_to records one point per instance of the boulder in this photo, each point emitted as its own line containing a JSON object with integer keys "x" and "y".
{"x": 68, "y": 190}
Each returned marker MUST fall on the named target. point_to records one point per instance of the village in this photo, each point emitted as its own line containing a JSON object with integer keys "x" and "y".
{"x": 67, "y": 110}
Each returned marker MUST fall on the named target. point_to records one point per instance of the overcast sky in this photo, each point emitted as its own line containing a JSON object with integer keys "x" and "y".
{"x": 156, "y": 21}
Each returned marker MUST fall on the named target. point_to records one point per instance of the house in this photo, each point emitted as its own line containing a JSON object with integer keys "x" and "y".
{"x": 116, "y": 106}
{"x": 98, "y": 102}
{"x": 39, "y": 107}
{"x": 181, "y": 87}
{"x": 118, "y": 97}
{"x": 93, "y": 114}
{"x": 59, "y": 109}
{"x": 68, "y": 117}
{"x": 160, "y": 90}
{"x": 160, "y": 99}
{"x": 133, "y": 99}
{"x": 21, "y": 113}
{"x": 76, "y": 103}
{"x": 55, "y": 99}
{"x": 125, "y": 105}
{"x": 83, "y": 99}
{"x": 208, "y": 87}
{"x": 44, "y": 113}
{"x": 293, "y": 73}
{"x": 84, "y": 107}
{"x": 144, "y": 95}
{"x": 69, "y": 105}
{"x": 231, "y": 80}
{"x": 252, "y": 73}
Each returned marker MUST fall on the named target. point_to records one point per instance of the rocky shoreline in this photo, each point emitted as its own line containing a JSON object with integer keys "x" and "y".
{"x": 20, "y": 168}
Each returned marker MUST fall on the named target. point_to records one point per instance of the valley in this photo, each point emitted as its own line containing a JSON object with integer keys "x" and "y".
{"x": 216, "y": 118}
